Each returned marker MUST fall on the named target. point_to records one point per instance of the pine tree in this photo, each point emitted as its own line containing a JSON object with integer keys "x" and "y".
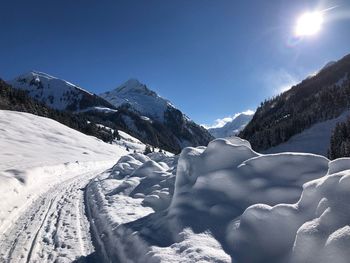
{"x": 147, "y": 150}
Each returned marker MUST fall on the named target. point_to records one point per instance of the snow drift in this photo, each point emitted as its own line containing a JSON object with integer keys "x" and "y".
{"x": 224, "y": 203}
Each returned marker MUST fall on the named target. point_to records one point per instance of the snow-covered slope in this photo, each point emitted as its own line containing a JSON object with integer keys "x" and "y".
{"x": 57, "y": 93}
{"x": 233, "y": 127}
{"x": 140, "y": 99}
{"x": 37, "y": 153}
{"x": 39, "y": 141}
{"x": 224, "y": 203}
{"x": 302, "y": 118}
{"x": 315, "y": 139}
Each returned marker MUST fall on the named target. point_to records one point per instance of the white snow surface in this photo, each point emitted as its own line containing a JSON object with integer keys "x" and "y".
{"x": 224, "y": 203}
{"x": 141, "y": 99}
{"x": 24, "y": 137}
{"x": 220, "y": 203}
{"x": 44, "y": 164}
{"x": 315, "y": 139}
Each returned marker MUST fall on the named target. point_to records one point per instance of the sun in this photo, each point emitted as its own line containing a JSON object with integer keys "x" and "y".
{"x": 309, "y": 24}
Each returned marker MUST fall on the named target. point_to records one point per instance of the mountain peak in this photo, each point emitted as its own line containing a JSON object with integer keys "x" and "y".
{"x": 231, "y": 126}
{"x": 141, "y": 99}
{"x": 135, "y": 86}
{"x": 132, "y": 82}
{"x": 34, "y": 75}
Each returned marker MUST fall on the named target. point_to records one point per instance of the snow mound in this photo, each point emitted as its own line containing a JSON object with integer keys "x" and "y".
{"x": 339, "y": 165}
{"x": 191, "y": 247}
{"x": 222, "y": 202}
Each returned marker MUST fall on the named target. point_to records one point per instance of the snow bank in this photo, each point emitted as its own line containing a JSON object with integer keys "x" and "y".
{"x": 191, "y": 247}
{"x": 225, "y": 203}
{"x": 315, "y": 229}
{"x": 136, "y": 186}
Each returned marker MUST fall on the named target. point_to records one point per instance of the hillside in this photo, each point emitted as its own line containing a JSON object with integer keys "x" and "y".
{"x": 340, "y": 140}
{"x": 44, "y": 165}
{"x": 139, "y": 99}
{"x": 317, "y": 99}
{"x": 233, "y": 127}
{"x": 19, "y": 100}
{"x": 151, "y": 119}
{"x": 57, "y": 93}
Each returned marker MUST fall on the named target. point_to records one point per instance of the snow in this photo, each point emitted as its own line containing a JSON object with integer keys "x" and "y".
{"x": 141, "y": 99}
{"x": 224, "y": 203}
{"x": 192, "y": 247}
{"x": 220, "y": 203}
{"x": 24, "y": 136}
{"x": 100, "y": 109}
{"x": 233, "y": 127}
{"x": 39, "y": 154}
{"x": 315, "y": 139}
{"x": 54, "y": 92}
{"x": 146, "y": 119}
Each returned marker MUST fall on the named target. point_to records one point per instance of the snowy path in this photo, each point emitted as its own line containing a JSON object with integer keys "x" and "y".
{"x": 53, "y": 229}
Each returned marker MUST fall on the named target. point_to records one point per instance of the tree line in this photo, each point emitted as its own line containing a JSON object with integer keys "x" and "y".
{"x": 19, "y": 100}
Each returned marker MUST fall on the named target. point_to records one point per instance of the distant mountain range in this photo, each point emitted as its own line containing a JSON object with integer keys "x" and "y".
{"x": 233, "y": 127}
{"x": 132, "y": 107}
{"x": 303, "y": 118}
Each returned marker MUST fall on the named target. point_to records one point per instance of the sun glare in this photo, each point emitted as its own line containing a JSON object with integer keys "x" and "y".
{"x": 309, "y": 24}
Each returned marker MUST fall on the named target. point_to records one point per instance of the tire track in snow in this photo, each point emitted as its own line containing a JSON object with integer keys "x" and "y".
{"x": 53, "y": 228}
{"x": 38, "y": 231}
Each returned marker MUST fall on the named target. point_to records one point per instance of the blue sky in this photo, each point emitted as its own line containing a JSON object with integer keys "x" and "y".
{"x": 210, "y": 58}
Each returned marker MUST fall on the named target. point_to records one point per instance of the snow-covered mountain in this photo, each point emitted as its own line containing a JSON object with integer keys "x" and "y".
{"x": 138, "y": 98}
{"x": 233, "y": 127}
{"x": 57, "y": 93}
{"x": 303, "y": 118}
{"x": 141, "y": 112}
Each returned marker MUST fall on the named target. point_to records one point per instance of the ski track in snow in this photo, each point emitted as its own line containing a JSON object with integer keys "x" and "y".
{"x": 53, "y": 229}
